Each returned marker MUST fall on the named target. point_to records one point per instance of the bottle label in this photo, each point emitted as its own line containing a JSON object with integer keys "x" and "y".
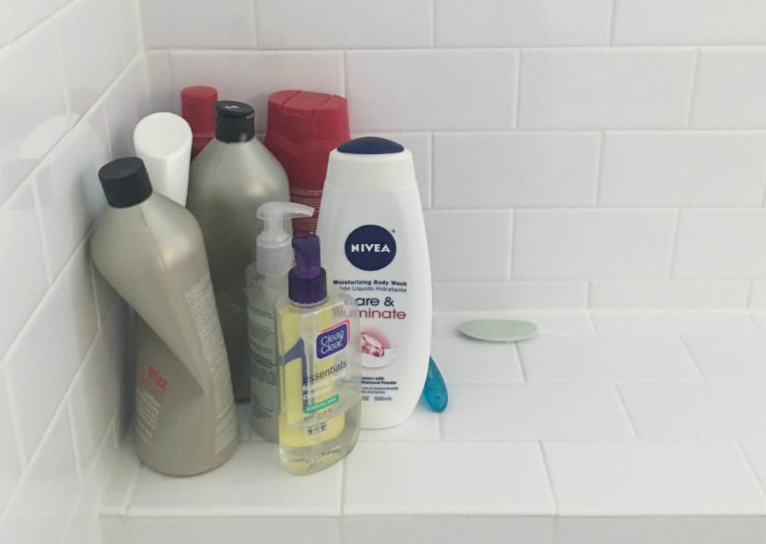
{"x": 201, "y": 303}
{"x": 263, "y": 358}
{"x": 370, "y": 247}
{"x": 332, "y": 340}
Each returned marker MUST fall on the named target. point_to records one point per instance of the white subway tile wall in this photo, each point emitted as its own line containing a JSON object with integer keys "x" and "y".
{"x": 73, "y": 84}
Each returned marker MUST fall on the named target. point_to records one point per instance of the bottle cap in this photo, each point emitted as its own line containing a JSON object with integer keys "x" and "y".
{"x": 234, "y": 121}
{"x": 370, "y": 164}
{"x": 301, "y": 116}
{"x": 125, "y": 182}
{"x": 198, "y": 108}
{"x": 273, "y": 253}
{"x": 370, "y": 145}
{"x": 307, "y": 280}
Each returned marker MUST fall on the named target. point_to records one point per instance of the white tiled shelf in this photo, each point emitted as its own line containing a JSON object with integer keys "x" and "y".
{"x": 606, "y": 427}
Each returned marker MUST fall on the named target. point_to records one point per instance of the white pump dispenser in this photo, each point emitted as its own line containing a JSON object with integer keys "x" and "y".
{"x": 266, "y": 281}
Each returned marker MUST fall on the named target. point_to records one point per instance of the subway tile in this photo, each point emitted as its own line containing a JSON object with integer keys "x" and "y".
{"x": 595, "y": 88}
{"x": 44, "y": 500}
{"x": 492, "y": 478}
{"x": 131, "y": 38}
{"x": 592, "y": 244}
{"x": 125, "y": 105}
{"x": 420, "y": 146}
{"x": 759, "y": 318}
{"x": 547, "y": 322}
{"x": 606, "y": 358}
{"x": 229, "y": 490}
{"x": 674, "y": 529}
{"x": 92, "y": 51}
{"x": 488, "y": 23}
{"x": 720, "y": 245}
{"x": 232, "y": 529}
{"x": 683, "y": 169}
{"x": 672, "y": 322}
{"x": 252, "y": 76}
{"x": 522, "y": 169}
{"x": 10, "y": 462}
{"x": 335, "y": 24}
{"x": 198, "y": 24}
{"x": 451, "y": 529}
{"x": 465, "y": 360}
{"x": 469, "y": 245}
{"x": 22, "y": 264}
{"x": 163, "y": 95}
{"x": 50, "y": 349}
{"x": 68, "y": 191}
{"x": 652, "y": 478}
{"x": 514, "y": 295}
{"x": 117, "y": 493}
{"x": 84, "y": 525}
{"x": 417, "y": 90}
{"x": 668, "y": 295}
{"x": 96, "y": 390}
{"x": 423, "y": 424}
{"x": 757, "y": 296}
{"x": 534, "y": 412}
{"x": 755, "y": 450}
{"x": 33, "y": 108}
{"x": 22, "y": 15}
{"x": 731, "y": 88}
{"x": 728, "y": 356}
{"x": 709, "y": 410}
{"x": 689, "y": 22}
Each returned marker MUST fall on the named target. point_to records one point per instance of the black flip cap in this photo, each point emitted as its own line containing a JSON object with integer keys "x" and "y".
{"x": 234, "y": 121}
{"x": 125, "y": 182}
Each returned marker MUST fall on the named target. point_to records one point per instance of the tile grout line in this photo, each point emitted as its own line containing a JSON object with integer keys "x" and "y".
{"x": 549, "y": 478}
{"x": 600, "y": 172}
{"x": 16, "y": 428}
{"x": 75, "y": 446}
{"x": 674, "y": 244}
{"x": 613, "y": 22}
{"x": 688, "y": 352}
{"x": 431, "y": 183}
{"x": 524, "y": 377}
{"x": 751, "y": 466}
{"x": 625, "y": 410}
{"x": 694, "y": 86}
{"x": 517, "y": 103}
{"x": 44, "y": 243}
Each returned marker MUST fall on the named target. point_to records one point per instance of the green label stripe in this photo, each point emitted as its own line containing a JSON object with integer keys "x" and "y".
{"x": 319, "y": 405}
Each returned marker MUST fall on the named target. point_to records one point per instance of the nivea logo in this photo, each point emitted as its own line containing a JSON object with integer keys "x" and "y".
{"x": 370, "y": 247}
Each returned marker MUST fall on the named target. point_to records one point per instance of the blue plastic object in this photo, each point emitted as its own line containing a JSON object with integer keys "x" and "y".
{"x": 435, "y": 390}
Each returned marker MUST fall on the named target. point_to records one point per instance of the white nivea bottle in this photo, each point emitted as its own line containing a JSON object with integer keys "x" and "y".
{"x": 374, "y": 248}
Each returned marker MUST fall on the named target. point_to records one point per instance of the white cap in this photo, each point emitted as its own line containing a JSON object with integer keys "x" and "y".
{"x": 163, "y": 141}
{"x": 273, "y": 249}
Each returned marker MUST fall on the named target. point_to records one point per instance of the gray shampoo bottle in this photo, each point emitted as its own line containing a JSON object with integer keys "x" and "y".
{"x": 228, "y": 181}
{"x": 150, "y": 249}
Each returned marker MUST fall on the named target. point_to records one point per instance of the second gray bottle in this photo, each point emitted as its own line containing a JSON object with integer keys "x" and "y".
{"x": 232, "y": 176}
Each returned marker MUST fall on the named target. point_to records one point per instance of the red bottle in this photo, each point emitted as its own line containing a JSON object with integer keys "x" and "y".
{"x": 198, "y": 108}
{"x": 302, "y": 129}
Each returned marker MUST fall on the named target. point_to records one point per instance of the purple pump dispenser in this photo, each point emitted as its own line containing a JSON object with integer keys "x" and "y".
{"x": 307, "y": 280}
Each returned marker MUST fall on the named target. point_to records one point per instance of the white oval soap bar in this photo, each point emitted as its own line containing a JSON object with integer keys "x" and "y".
{"x": 498, "y": 330}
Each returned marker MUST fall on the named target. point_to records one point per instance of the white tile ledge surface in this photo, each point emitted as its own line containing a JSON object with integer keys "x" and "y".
{"x": 606, "y": 427}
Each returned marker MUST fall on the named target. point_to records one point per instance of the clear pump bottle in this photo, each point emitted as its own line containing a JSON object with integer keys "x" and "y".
{"x": 320, "y": 366}
{"x": 266, "y": 282}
